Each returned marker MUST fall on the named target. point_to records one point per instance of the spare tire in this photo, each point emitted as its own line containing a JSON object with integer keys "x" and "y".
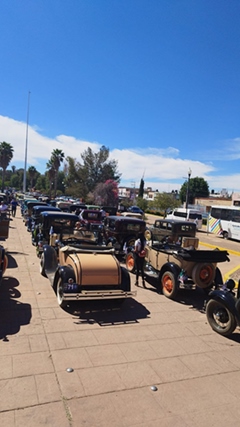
{"x": 203, "y": 274}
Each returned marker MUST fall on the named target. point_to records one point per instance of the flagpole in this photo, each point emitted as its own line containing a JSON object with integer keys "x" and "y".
{"x": 26, "y": 146}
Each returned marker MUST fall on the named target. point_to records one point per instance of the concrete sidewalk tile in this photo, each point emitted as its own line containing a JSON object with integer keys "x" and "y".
{"x": 137, "y": 374}
{"x": 167, "y": 347}
{"x": 47, "y": 313}
{"x": 38, "y": 343}
{"x": 216, "y": 416}
{"x": 71, "y": 358}
{"x": 137, "y": 406}
{"x": 193, "y": 395}
{"x": 100, "y": 380}
{"x": 137, "y": 351}
{"x": 95, "y": 411}
{"x": 171, "y": 369}
{"x": 32, "y": 364}
{"x": 16, "y": 344}
{"x": 201, "y": 364}
{"x": 56, "y": 341}
{"x": 109, "y": 335}
{"x": 79, "y": 339}
{"x": 231, "y": 382}
{"x": 193, "y": 344}
{"x": 106, "y": 355}
{"x": 52, "y": 414}
{"x": 198, "y": 328}
{"x": 6, "y": 370}
{"x": 168, "y": 421}
{"x": 174, "y": 330}
{"x": 7, "y": 419}
{"x": 70, "y": 384}
{"x": 18, "y": 393}
{"x": 47, "y": 388}
{"x": 61, "y": 325}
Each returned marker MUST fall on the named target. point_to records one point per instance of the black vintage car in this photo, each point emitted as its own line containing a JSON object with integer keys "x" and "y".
{"x": 52, "y": 227}
{"x": 121, "y": 232}
{"x": 33, "y": 221}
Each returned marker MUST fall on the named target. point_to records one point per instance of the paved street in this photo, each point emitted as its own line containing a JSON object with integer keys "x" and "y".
{"x": 116, "y": 355}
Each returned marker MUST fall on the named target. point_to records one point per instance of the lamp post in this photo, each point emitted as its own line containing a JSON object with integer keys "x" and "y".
{"x": 26, "y": 146}
{"x": 187, "y": 195}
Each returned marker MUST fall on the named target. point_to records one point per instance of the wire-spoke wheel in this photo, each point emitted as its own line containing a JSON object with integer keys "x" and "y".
{"x": 59, "y": 290}
{"x": 220, "y": 318}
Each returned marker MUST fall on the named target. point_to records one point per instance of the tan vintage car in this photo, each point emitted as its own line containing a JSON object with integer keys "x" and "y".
{"x": 85, "y": 271}
{"x": 175, "y": 266}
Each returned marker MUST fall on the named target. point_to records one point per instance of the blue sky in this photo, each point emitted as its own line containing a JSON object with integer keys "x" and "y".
{"x": 155, "y": 81}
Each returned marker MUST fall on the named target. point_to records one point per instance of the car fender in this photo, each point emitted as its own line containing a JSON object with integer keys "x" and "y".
{"x": 65, "y": 272}
{"x": 170, "y": 266}
{"x": 50, "y": 259}
{"x": 226, "y": 298}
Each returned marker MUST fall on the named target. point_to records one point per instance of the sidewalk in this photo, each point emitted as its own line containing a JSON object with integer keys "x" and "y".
{"x": 116, "y": 355}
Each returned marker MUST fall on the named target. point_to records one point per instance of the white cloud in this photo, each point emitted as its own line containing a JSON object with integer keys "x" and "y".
{"x": 163, "y": 169}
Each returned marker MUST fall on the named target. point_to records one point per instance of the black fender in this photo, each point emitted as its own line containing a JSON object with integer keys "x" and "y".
{"x": 226, "y": 298}
{"x": 65, "y": 272}
{"x": 170, "y": 266}
{"x": 50, "y": 260}
{"x": 126, "y": 281}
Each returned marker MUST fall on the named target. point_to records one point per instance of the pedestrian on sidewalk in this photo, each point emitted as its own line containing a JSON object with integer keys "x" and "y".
{"x": 139, "y": 257}
{"x": 14, "y": 205}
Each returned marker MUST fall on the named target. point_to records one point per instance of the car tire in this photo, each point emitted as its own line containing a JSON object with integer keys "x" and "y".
{"x": 148, "y": 234}
{"x": 225, "y": 235}
{"x": 203, "y": 275}
{"x": 220, "y": 318}
{"x": 42, "y": 265}
{"x": 169, "y": 283}
{"x": 130, "y": 262}
{"x": 61, "y": 302}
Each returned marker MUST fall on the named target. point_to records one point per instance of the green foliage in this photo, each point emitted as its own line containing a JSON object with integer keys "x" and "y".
{"x": 142, "y": 203}
{"x": 198, "y": 187}
{"x": 6, "y": 155}
{"x": 163, "y": 201}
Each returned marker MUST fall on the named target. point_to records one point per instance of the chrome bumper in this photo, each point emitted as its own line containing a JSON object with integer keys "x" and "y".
{"x": 97, "y": 295}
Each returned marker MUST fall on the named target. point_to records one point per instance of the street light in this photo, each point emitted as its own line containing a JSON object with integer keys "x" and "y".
{"x": 187, "y": 196}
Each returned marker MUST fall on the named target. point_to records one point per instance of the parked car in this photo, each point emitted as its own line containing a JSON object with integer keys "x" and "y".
{"x": 135, "y": 209}
{"x": 28, "y": 207}
{"x": 121, "y": 232}
{"x": 53, "y": 225}
{"x": 91, "y": 219}
{"x": 36, "y": 217}
{"x": 175, "y": 267}
{"x": 172, "y": 231}
{"x": 85, "y": 272}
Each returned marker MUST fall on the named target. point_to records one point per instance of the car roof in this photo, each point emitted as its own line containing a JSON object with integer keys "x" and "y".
{"x": 60, "y": 214}
{"x": 124, "y": 218}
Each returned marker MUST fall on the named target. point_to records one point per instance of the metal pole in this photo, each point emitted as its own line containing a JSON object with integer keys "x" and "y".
{"x": 26, "y": 147}
{"x": 187, "y": 196}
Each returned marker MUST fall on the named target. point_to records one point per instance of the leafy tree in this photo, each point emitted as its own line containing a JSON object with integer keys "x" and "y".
{"x": 32, "y": 174}
{"x": 142, "y": 203}
{"x": 50, "y": 175}
{"x": 163, "y": 201}
{"x": 198, "y": 187}
{"x": 141, "y": 189}
{"x": 6, "y": 155}
{"x": 97, "y": 168}
{"x": 106, "y": 193}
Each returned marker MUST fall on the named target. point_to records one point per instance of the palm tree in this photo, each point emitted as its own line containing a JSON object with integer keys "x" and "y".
{"x": 32, "y": 173}
{"x": 51, "y": 175}
{"x": 55, "y": 161}
{"x": 6, "y": 155}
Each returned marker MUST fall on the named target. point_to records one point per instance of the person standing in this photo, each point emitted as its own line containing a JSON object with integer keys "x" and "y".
{"x": 14, "y": 205}
{"x": 139, "y": 257}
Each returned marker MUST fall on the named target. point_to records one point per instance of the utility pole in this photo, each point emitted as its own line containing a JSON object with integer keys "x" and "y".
{"x": 26, "y": 146}
{"x": 187, "y": 195}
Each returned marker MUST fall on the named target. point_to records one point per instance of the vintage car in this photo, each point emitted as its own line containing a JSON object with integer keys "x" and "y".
{"x": 36, "y": 217}
{"x": 28, "y": 207}
{"x": 91, "y": 219}
{"x": 83, "y": 271}
{"x": 121, "y": 232}
{"x": 171, "y": 231}
{"x": 175, "y": 266}
{"x": 53, "y": 225}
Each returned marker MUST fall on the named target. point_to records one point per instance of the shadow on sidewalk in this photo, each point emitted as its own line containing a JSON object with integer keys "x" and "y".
{"x": 108, "y": 312}
{"x": 13, "y": 313}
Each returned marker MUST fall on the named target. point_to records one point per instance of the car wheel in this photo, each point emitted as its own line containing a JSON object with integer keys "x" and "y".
{"x": 169, "y": 282}
{"x": 130, "y": 262}
{"x": 225, "y": 235}
{"x": 220, "y": 318}
{"x": 130, "y": 242}
{"x": 59, "y": 291}
{"x": 42, "y": 266}
{"x": 203, "y": 274}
